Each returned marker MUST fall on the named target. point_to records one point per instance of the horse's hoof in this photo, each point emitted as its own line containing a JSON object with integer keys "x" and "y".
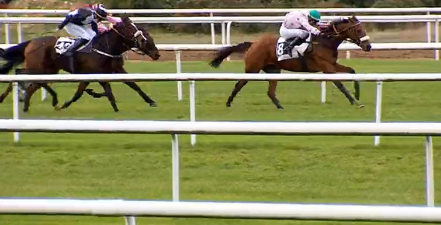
{"x": 58, "y": 108}
{"x": 361, "y": 106}
{"x": 153, "y": 104}
{"x": 280, "y": 107}
{"x": 228, "y": 104}
{"x": 54, "y": 103}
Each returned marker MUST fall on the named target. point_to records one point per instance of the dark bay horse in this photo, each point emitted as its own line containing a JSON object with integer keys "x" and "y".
{"x": 321, "y": 56}
{"x": 103, "y": 56}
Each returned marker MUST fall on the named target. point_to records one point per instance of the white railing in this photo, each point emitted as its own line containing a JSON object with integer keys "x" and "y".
{"x": 232, "y": 210}
{"x": 223, "y": 11}
{"x": 110, "y": 207}
{"x": 226, "y": 23}
{"x": 192, "y": 77}
{"x": 345, "y": 46}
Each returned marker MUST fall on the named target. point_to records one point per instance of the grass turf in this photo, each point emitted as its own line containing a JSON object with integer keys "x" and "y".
{"x": 226, "y": 168}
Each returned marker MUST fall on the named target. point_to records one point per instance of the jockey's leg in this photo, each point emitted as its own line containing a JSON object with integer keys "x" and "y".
{"x": 84, "y": 36}
{"x": 297, "y": 34}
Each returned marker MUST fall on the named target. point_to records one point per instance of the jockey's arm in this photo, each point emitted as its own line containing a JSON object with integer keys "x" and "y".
{"x": 94, "y": 26}
{"x": 113, "y": 20}
{"x": 102, "y": 28}
{"x": 308, "y": 26}
{"x": 65, "y": 21}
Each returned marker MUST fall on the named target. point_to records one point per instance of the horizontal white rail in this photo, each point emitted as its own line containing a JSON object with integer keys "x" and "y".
{"x": 235, "y": 19}
{"x": 226, "y": 127}
{"x": 388, "y": 77}
{"x": 103, "y": 207}
{"x": 343, "y": 46}
{"x": 219, "y": 11}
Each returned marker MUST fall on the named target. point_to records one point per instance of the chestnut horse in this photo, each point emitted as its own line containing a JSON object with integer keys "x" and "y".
{"x": 321, "y": 56}
{"x": 101, "y": 56}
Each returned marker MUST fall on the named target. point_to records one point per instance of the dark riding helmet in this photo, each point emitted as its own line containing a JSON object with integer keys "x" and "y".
{"x": 100, "y": 11}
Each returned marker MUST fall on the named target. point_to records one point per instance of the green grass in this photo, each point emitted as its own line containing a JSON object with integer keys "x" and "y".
{"x": 226, "y": 168}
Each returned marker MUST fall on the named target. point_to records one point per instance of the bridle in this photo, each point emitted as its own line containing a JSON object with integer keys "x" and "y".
{"x": 131, "y": 39}
{"x": 337, "y": 33}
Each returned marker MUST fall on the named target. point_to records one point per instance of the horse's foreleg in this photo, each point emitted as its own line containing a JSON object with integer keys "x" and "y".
{"x": 6, "y": 93}
{"x": 136, "y": 88}
{"x": 239, "y": 85}
{"x": 81, "y": 87}
{"x": 109, "y": 94}
{"x": 347, "y": 69}
{"x": 141, "y": 93}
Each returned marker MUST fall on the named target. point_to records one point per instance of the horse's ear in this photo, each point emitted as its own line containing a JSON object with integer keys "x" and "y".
{"x": 354, "y": 18}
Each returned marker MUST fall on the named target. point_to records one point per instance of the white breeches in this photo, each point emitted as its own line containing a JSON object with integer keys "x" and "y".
{"x": 291, "y": 33}
{"x": 80, "y": 31}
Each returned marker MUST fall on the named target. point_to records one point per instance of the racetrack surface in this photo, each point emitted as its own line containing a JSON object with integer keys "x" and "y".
{"x": 226, "y": 168}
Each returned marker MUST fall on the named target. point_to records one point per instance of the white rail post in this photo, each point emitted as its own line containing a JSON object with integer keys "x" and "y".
{"x": 179, "y": 70}
{"x": 175, "y": 167}
{"x": 323, "y": 98}
{"x": 430, "y": 180}
{"x": 213, "y": 35}
{"x": 19, "y": 33}
{"x": 437, "y": 39}
{"x": 229, "y": 35}
{"x": 192, "y": 109}
{"x": 16, "y": 110}
{"x": 378, "y": 109}
{"x": 429, "y": 30}
{"x": 348, "y": 53}
{"x": 130, "y": 220}
{"x": 7, "y": 40}
{"x": 43, "y": 94}
{"x": 223, "y": 32}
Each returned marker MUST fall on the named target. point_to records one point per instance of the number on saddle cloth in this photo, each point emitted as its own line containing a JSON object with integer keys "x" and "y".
{"x": 64, "y": 43}
{"x": 297, "y": 51}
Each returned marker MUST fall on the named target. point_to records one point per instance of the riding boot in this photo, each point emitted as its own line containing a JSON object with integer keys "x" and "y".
{"x": 71, "y": 52}
{"x": 292, "y": 44}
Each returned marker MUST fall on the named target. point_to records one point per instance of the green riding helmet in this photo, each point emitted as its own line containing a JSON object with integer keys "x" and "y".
{"x": 315, "y": 14}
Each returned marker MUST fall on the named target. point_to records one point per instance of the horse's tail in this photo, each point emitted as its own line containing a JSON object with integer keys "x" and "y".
{"x": 13, "y": 55}
{"x": 227, "y": 51}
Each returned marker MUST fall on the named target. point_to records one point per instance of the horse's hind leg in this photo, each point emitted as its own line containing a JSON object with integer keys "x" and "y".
{"x": 52, "y": 93}
{"x": 239, "y": 85}
{"x": 272, "y": 86}
{"x": 32, "y": 87}
{"x": 6, "y": 93}
{"x": 346, "y": 69}
{"x": 251, "y": 66}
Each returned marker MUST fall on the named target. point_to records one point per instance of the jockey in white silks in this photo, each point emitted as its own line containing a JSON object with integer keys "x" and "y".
{"x": 297, "y": 25}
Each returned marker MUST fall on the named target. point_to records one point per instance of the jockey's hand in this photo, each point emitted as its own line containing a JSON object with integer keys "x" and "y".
{"x": 315, "y": 31}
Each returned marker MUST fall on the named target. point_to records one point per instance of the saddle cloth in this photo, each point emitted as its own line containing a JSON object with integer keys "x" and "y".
{"x": 63, "y": 44}
{"x": 297, "y": 51}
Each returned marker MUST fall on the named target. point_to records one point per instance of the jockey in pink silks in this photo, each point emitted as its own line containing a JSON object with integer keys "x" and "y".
{"x": 297, "y": 25}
